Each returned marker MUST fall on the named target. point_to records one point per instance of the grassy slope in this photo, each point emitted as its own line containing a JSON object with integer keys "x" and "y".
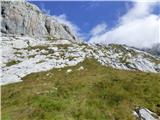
{"x": 96, "y": 93}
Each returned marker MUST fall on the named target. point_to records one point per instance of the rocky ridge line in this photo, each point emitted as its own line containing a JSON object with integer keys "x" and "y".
{"x": 22, "y": 55}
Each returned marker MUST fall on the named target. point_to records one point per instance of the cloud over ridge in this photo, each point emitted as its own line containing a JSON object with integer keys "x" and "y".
{"x": 138, "y": 28}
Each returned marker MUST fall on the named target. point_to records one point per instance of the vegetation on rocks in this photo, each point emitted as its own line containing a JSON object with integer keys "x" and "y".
{"x": 52, "y": 38}
{"x": 12, "y": 62}
{"x": 40, "y": 47}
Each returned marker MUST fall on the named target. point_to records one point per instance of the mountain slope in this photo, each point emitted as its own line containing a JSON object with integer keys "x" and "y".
{"x": 24, "y": 55}
{"x": 95, "y": 92}
{"x": 58, "y": 71}
{"x": 33, "y": 42}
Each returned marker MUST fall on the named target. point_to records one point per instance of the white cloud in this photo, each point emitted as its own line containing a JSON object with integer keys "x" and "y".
{"x": 99, "y": 29}
{"x": 139, "y": 11}
{"x": 63, "y": 19}
{"x": 138, "y": 28}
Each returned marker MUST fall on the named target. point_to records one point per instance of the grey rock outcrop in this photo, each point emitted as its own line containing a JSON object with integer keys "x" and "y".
{"x": 155, "y": 49}
{"x": 23, "y": 55}
{"x": 23, "y": 18}
{"x": 145, "y": 114}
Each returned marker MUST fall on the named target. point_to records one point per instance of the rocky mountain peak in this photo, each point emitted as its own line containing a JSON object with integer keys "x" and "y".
{"x": 23, "y": 18}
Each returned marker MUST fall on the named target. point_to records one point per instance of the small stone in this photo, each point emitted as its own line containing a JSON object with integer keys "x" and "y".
{"x": 81, "y": 68}
{"x": 47, "y": 74}
{"x": 69, "y": 71}
{"x": 143, "y": 113}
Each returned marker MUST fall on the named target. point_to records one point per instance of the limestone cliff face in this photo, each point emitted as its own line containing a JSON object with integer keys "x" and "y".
{"x": 23, "y": 18}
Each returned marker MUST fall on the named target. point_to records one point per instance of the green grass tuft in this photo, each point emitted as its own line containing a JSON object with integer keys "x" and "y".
{"x": 13, "y": 62}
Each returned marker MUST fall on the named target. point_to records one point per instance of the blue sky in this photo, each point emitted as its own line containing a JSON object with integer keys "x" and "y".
{"x": 86, "y": 15}
{"x": 108, "y": 20}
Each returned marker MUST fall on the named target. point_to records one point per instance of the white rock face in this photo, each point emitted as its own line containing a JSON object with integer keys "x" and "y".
{"x": 24, "y": 18}
{"x": 19, "y": 44}
{"x": 25, "y": 55}
{"x": 145, "y": 114}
